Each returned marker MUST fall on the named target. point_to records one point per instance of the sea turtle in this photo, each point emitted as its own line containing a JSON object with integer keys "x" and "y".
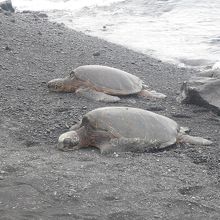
{"x": 102, "y": 83}
{"x": 115, "y": 129}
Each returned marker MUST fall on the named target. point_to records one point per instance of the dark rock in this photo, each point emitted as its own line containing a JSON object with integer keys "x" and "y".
{"x": 203, "y": 91}
{"x": 20, "y": 88}
{"x": 26, "y": 12}
{"x": 7, "y": 6}
{"x": 210, "y": 73}
{"x": 190, "y": 190}
{"x": 7, "y": 13}
{"x": 30, "y": 143}
{"x": 12, "y": 20}
{"x": 96, "y": 54}
{"x": 104, "y": 28}
{"x": 7, "y": 48}
{"x": 42, "y": 15}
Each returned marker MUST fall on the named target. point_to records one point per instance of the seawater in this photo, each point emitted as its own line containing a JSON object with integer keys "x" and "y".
{"x": 184, "y": 32}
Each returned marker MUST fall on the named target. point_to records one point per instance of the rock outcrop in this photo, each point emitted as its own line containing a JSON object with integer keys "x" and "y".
{"x": 202, "y": 89}
{"x": 7, "y": 6}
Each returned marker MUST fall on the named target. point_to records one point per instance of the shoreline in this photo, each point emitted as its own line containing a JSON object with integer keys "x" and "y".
{"x": 84, "y": 183}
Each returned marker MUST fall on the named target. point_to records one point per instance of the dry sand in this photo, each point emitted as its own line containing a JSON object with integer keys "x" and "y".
{"x": 39, "y": 182}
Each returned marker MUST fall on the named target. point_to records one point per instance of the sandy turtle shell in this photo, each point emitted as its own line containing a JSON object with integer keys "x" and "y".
{"x": 111, "y": 80}
{"x": 125, "y": 129}
{"x": 131, "y": 123}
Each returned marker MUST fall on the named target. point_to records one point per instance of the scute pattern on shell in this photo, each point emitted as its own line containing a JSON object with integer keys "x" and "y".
{"x": 111, "y": 80}
{"x": 127, "y": 122}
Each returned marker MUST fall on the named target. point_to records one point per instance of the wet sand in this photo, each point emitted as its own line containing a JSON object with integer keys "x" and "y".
{"x": 39, "y": 182}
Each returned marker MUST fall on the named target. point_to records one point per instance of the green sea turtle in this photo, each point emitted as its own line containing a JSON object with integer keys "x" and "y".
{"x": 102, "y": 83}
{"x": 115, "y": 129}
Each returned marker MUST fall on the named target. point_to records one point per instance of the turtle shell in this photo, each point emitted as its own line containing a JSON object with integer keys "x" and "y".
{"x": 130, "y": 122}
{"x": 109, "y": 80}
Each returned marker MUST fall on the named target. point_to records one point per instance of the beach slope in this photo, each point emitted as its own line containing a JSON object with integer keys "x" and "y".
{"x": 39, "y": 182}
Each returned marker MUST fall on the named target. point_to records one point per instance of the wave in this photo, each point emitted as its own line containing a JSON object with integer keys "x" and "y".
{"x": 48, "y": 5}
{"x": 184, "y": 32}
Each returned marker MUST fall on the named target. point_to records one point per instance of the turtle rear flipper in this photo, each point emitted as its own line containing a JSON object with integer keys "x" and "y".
{"x": 95, "y": 95}
{"x": 151, "y": 94}
{"x": 184, "y": 138}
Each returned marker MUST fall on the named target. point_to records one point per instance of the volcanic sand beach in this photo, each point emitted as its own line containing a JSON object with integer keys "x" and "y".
{"x": 39, "y": 182}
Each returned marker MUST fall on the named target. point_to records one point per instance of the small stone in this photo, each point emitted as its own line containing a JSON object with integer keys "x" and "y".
{"x": 96, "y": 54}
{"x": 26, "y": 11}
{"x": 115, "y": 154}
{"x": 104, "y": 28}
{"x": 1, "y": 177}
{"x": 7, "y": 13}
{"x": 7, "y": 48}
{"x": 12, "y": 20}
{"x": 42, "y": 15}
{"x": 8, "y": 86}
{"x": 20, "y": 88}
{"x": 84, "y": 107}
{"x": 2, "y": 172}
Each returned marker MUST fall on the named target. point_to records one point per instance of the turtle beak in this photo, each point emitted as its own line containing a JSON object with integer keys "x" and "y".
{"x": 68, "y": 141}
{"x": 66, "y": 145}
{"x": 50, "y": 85}
{"x": 55, "y": 85}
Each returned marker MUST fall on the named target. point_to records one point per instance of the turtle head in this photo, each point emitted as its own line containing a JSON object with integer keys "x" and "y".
{"x": 56, "y": 85}
{"x": 68, "y": 84}
{"x": 68, "y": 141}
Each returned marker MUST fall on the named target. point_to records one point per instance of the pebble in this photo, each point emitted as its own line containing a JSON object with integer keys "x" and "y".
{"x": 96, "y": 54}
{"x": 2, "y": 172}
{"x": 12, "y": 20}
{"x": 7, "y": 48}
{"x": 8, "y": 86}
{"x": 20, "y": 88}
{"x": 42, "y": 15}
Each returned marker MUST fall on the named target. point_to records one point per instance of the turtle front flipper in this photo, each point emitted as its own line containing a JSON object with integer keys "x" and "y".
{"x": 151, "y": 94}
{"x": 76, "y": 126}
{"x": 184, "y": 138}
{"x": 96, "y": 96}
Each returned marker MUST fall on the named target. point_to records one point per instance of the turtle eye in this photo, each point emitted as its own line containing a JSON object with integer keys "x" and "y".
{"x": 72, "y": 74}
{"x": 56, "y": 86}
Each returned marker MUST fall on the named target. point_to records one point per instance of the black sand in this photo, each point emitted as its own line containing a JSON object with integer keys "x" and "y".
{"x": 39, "y": 182}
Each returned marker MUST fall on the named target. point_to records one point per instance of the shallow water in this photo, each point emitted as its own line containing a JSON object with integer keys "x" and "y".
{"x": 184, "y": 32}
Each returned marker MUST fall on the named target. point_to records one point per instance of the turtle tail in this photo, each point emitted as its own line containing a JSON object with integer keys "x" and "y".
{"x": 184, "y": 138}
